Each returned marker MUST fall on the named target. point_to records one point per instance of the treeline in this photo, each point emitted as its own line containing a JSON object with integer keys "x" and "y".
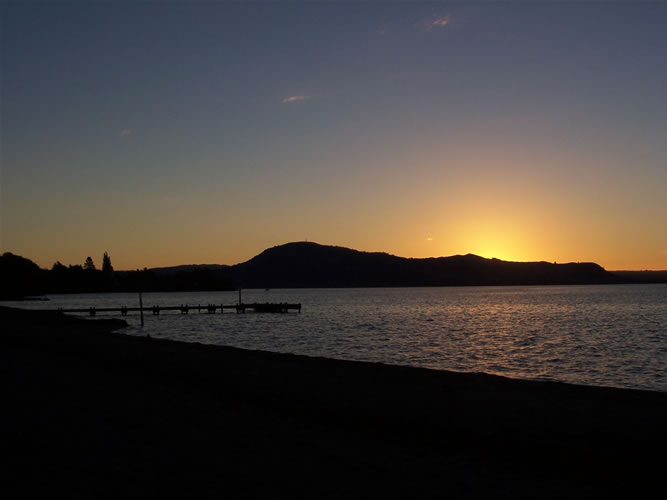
{"x": 304, "y": 265}
{"x": 20, "y": 277}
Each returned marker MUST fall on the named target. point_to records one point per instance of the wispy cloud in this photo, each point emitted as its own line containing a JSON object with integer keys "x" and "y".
{"x": 429, "y": 238}
{"x": 126, "y": 131}
{"x": 437, "y": 22}
{"x": 295, "y": 98}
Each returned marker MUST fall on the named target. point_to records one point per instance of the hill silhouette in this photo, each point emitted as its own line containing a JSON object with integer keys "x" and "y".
{"x": 19, "y": 277}
{"x": 305, "y": 264}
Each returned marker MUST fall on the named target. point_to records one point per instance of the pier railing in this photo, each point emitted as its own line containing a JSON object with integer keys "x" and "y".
{"x": 267, "y": 307}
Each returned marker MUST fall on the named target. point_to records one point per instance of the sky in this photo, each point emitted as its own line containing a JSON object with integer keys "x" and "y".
{"x": 169, "y": 133}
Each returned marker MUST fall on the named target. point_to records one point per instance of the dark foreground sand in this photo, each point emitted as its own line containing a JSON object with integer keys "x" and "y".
{"x": 88, "y": 413}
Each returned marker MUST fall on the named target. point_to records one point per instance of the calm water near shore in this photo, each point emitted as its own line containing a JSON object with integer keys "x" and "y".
{"x": 610, "y": 335}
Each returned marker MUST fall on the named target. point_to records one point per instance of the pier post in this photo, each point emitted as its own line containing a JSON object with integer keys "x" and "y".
{"x": 141, "y": 309}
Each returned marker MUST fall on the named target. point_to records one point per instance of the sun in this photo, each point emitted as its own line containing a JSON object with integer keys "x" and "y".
{"x": 499, "y": 241}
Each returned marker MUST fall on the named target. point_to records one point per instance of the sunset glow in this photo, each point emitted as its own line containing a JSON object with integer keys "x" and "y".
{"x": 173, "y": 133}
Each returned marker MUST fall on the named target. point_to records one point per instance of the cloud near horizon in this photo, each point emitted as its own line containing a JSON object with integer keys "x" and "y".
{"x": 295, "y": 98}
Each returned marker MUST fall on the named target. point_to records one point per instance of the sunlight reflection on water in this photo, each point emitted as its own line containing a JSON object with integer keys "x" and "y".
{"x": 597, "y": 335}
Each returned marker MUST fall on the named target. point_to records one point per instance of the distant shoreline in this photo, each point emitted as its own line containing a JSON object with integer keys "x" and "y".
{"x": 92, "y": 413}
{"x": 44, "y": 297}
{"x": 308, "y": 265}
{"x": 642, "y": 277}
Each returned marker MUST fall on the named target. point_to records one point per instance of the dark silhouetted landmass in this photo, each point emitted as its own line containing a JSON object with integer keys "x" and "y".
{"x": 177, "y": 279}
{"x": 313, "y": 265}
{"x": 90, "y": 414}
{"x": 20, "y": 277}
{"x": 642, "y": 276}
{"x": 307, "y": 265}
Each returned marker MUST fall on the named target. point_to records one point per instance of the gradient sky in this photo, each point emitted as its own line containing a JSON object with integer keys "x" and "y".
{"x": 168, "y": 133}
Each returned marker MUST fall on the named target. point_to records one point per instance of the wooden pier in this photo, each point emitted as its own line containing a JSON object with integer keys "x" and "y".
{"x": 281, "y": 307}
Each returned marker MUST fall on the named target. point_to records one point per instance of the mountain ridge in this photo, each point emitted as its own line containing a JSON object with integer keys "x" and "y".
{"x": 309, "y": 265}
{"x": 313, "y": 265}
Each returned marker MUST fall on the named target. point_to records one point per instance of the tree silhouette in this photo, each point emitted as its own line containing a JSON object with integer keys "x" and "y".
{"x": 106, "y": 264}
{"x": 89, "y": 265}
{"x": 58, "y": 267}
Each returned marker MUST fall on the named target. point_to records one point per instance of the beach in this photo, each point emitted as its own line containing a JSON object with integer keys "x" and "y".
{"x": 91, "y": 413}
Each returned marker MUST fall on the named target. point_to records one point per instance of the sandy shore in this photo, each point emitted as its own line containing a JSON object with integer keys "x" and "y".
{"x": 90, "y": 413}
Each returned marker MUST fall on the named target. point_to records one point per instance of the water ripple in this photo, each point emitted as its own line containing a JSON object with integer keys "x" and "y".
{"x": 596, "y": 335}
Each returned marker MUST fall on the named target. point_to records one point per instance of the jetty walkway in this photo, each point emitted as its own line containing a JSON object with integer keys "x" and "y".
{"x": 267, "y": 307}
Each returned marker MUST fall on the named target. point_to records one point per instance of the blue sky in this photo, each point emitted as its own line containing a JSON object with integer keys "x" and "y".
{"x": 190, "y": 132}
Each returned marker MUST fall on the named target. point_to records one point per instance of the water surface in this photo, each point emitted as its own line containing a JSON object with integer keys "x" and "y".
{"x": 608, "y": 335}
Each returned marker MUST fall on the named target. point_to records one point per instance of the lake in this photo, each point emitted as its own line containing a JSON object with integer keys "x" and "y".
{"x": 604, "y": 335}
